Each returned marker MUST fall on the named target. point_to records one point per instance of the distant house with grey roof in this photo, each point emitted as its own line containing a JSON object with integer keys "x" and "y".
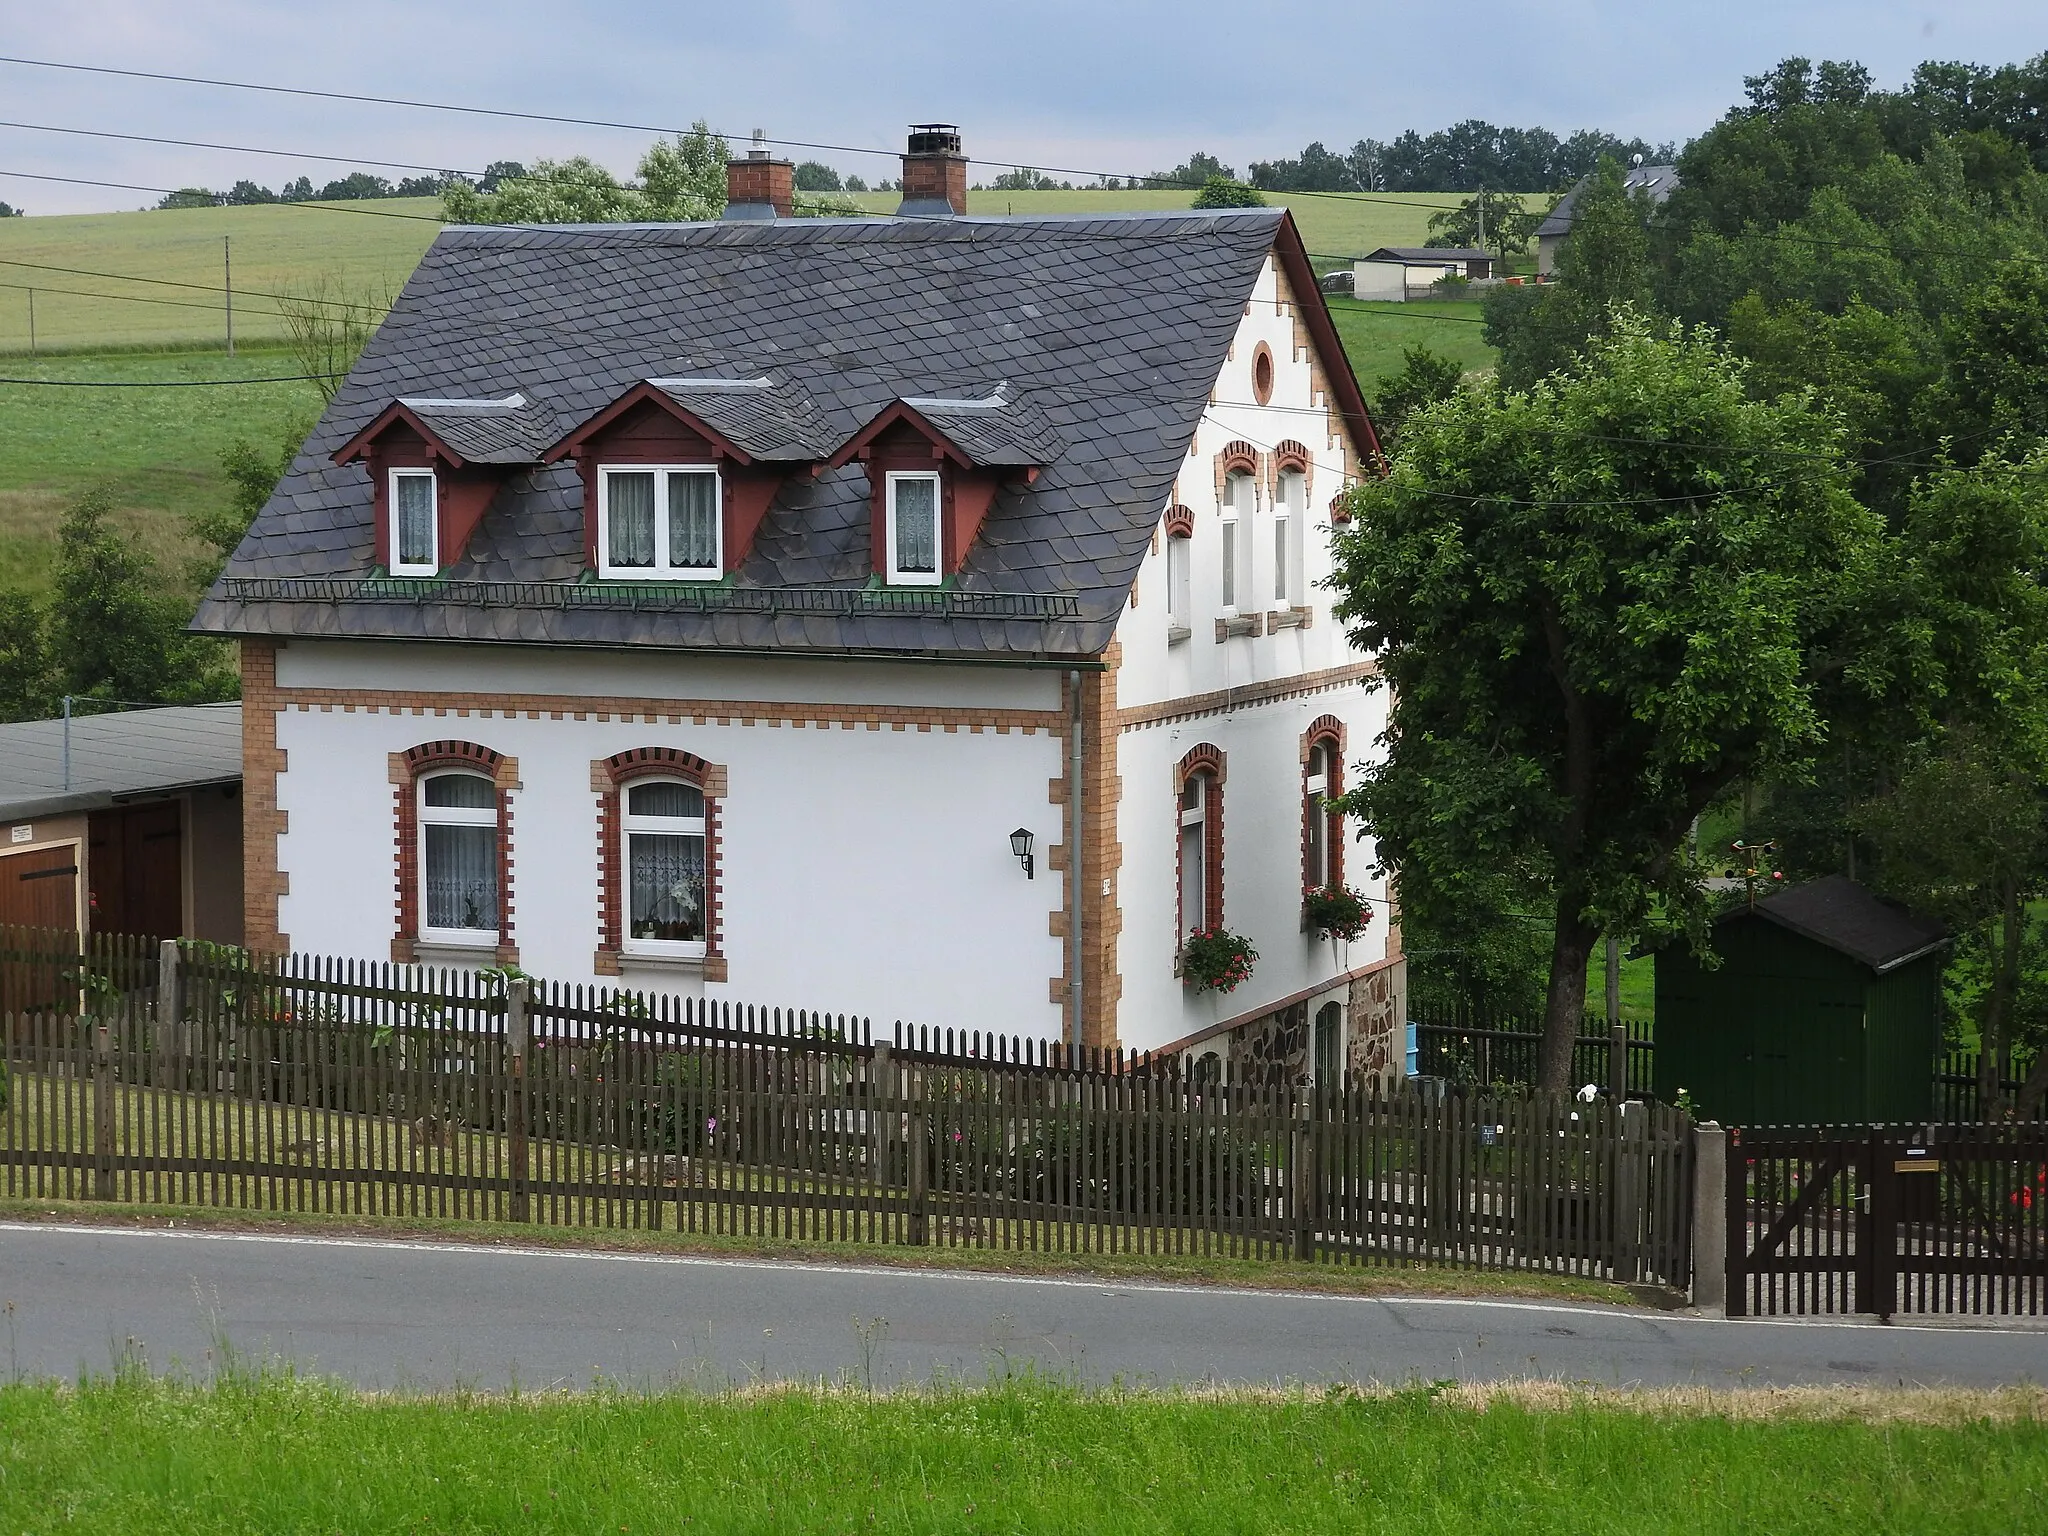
{"x": 1656, "y": 182}
{"x": 874, "y": 614}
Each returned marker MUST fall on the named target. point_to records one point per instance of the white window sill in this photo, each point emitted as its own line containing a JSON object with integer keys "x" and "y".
{"x": 637, "y": 960}
{"x": 456, "y": 950}
{"x": 646, "y": 573}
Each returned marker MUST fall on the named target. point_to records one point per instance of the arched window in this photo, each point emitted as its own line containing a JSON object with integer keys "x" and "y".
{"x": 1329, "y": 1045}
{"x": 664, "y": 869}
{"x": 458, "y": 858}
{"x": 1180, "y": 528}
{"x": 659, "y": 902}
{"x": 1200, "y": 810}
{"x": 1290, "y": 505}
{"x": 1240, "y": 512}
{"x": 1322, "y": 829}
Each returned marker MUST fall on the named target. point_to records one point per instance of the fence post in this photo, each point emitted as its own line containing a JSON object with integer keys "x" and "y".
{"x": 1631, "y": 1186}
{"x": 170, "y": 1012}
{"x": 518, "y": 992}
{"x": 1307, "y": 1178}
{"x": 881, "y": 1123}
{"x": 1617, "y": 1060}
{"x": 102, "y": 1113}
{"x": 1710, "y": 1218}
{"x": 919, "y": 1153}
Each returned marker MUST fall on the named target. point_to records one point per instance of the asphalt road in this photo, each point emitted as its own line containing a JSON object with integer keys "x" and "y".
{"x": 429, "y": 1315}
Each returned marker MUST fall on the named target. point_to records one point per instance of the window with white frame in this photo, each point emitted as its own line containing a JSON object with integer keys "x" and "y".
{"x": 1179, "y": 592}
{"x": 1239, "y": 502}
{"x": 662, "y": 850}
{"x": 1318, "y": 867}
{"x": 458, "y": 859}
{"x": 1290, "y": 507}
{"x": 1196, "y": 812}
{"x": 913, "y": 531}
{"x": 415, "y": 523}
{"x": 660, "y": 522}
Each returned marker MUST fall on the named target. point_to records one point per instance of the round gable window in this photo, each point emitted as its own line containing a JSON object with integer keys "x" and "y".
{"x": 1262, "y": 374}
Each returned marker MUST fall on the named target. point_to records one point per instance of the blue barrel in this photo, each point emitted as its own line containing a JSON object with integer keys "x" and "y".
{"x": 1412, "y": 1050}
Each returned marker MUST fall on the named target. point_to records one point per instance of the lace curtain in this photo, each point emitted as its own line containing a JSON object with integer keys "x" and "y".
{"x": 630, "y": 502}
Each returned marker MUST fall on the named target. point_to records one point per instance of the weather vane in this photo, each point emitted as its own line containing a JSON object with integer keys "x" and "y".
{"x": 1755, "y": 859}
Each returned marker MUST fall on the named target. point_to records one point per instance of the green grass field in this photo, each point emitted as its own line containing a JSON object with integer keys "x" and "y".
{"x": 273, "y": 1455}
{"x": 157, "y": 449}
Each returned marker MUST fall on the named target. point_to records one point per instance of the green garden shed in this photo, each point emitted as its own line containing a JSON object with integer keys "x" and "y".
{"x": 1824, "y": 1010}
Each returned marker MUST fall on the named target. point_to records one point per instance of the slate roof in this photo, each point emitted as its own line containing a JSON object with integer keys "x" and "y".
{"x": 770, "y": 421}
{"x": 1107, "y": 332}
{"x": 1657, "y": 181}
{"x": 116, "y": 756}
{"x": 1852, "y": 920}
{"x": 508, "y": 431}
{"x": 993, "y": 430}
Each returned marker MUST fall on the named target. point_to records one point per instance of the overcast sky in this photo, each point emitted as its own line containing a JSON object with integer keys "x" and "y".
{"x": 1122, "y": 86}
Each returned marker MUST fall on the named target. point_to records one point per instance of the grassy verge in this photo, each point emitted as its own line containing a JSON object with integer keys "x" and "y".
{"x": 277, "y": 1455}
{"x": 1183, "y": 1269}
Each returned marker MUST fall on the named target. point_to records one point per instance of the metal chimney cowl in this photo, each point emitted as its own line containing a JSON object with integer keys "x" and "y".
{"x": 934, "y": 173}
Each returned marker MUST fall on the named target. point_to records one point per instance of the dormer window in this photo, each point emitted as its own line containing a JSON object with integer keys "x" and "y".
{"x": 913, "y": 534}
{"x": 660, "y": 522}
{"x": 415, "y": 523}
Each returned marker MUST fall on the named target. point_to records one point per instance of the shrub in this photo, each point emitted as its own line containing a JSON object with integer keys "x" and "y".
{"x": 1215, "y": 959}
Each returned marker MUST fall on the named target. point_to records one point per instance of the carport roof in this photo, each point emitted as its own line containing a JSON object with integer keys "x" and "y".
{"x": 124, "y": 755}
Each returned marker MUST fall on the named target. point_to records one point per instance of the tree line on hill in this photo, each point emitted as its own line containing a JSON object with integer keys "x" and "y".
{"x": 1748, "y": 528}
{"x": 357, "y": 186}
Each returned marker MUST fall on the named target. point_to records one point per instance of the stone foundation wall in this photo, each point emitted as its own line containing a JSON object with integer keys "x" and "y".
{"x": 1375, "y": 1021}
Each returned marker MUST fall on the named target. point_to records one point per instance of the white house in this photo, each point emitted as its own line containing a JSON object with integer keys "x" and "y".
{"x": 706, "y": 608}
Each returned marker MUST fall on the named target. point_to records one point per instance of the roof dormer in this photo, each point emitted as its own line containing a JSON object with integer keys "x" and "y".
{"x": 934, "y": 466}
{"x": 678, "y": 473}
{"x": 436, "y": 465}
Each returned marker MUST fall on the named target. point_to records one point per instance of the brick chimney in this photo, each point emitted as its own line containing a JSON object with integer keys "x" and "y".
{"x": 757, "y": 187}
{"x": 934, "y": 173}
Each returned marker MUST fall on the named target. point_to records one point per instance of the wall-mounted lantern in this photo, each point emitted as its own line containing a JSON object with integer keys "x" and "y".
{"x": 1020, "y": 845}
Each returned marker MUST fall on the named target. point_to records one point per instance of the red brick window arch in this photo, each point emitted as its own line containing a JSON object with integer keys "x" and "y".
{"x": 453, "y": 810}
{"x": 1198, "y": 839}
{"x": 659, "y": 887}
{"x": 1322, "y": 780}
{"x": 1180, "y": 531}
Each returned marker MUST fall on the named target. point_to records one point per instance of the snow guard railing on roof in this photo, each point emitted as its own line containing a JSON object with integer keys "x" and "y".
{"x": 651, "y": 597}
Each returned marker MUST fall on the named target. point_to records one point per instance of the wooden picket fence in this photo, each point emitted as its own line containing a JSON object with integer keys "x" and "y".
{"x": 356, "y": 1088}
{"x": 1478, "y": 1049}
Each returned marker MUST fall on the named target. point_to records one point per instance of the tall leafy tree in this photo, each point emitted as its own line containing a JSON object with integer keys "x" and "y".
{"x": 113, "y": 632}
{"x": 1596, "y": 604}
{"x": 1603, "y": 269}
{"x": 26, "y": 684}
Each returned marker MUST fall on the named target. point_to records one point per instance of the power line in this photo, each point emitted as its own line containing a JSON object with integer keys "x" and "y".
{"x": 239, "y": 149}
{"x": 130, "y": 298}
{"x": 284, "y": 378}
{"x": 167, "y": 282}
{"x": 130, "y": 186}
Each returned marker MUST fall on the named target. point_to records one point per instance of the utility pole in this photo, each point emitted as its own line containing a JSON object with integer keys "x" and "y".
{"x": 31, "y": 322}
{"x": 1482, "y": 215}
{"x": 227, "y": 281}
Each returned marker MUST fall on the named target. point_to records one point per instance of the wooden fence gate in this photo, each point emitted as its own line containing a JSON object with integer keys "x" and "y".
{"x": 1888, "y": 1219}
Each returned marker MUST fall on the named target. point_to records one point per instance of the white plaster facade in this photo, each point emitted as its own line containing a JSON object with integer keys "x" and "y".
{"x": 1259, "y": 724}
{"x": 864, "y": 861}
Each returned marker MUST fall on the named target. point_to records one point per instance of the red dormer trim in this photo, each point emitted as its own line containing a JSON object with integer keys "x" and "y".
{"x": 612, "y": 417}
{"x": 900, "y": 414}
{"x": 645, "y": 426}
{"x": 463, "y": 492}
{"x": 901, "y": 437}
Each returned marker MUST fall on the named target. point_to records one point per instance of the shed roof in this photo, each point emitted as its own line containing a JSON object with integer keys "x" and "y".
{"x": 1427, "y": 255}
{"x": 1852, "y": 920}
{"x": 115, "y": 757}
{"x": 1106, "y": 332}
